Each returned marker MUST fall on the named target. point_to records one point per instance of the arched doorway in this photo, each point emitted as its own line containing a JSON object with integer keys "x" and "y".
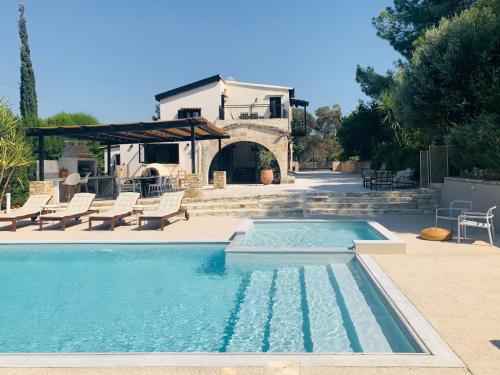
{"x": 240, "y": 160}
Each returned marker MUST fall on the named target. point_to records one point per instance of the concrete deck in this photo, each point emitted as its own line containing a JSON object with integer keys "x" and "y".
{"x": 456, "y": 287}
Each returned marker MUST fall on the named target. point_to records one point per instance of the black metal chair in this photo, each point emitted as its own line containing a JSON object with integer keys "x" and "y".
{"x": 383, "y": 179}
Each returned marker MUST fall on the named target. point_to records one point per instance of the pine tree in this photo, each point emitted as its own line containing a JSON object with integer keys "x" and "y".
{"x": 28, "y": 102}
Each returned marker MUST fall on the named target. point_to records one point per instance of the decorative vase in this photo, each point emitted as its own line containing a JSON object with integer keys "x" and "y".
{"x": 266, "y": 176}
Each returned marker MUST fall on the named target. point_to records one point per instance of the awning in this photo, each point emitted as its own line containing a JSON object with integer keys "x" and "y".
{"x": 298, "y": 102}
{"x": 136, "y": 132}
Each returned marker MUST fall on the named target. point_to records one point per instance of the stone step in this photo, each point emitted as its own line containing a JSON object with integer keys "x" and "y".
{"x": 371, "y": 205}
{"x": 249, "y": 213}
{"x": 364, "y": 212}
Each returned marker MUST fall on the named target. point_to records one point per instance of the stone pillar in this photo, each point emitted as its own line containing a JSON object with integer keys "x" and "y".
{"x": 42, "y": 188}
{"x": 219, "y": 179}
{"x": 193, "y": 186}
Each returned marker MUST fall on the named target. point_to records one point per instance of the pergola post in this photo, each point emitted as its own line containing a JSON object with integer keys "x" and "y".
{"x": 41, "y": 167}
{"x": 193, "y": 151}
{"x": 108, "y": 161}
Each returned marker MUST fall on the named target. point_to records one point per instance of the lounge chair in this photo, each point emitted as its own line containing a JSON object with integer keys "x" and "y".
{"x": 169, "y": 206}
{"x": 78, "y": 206}
{"x": 403, "y": 179}
{"x": 123, "y": 207}
{"x": 30, "y": 210}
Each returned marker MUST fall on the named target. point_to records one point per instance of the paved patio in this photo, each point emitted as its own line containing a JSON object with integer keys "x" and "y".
{"x": 456, "y": 287}
{"x": 325, "y": 181}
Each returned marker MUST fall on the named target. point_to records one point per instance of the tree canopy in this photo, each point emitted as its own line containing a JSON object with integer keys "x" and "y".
{"x": 402, "y": 24}
{"x": 453, "y": 75}
{"x": 28, "y": 104}
{"x": 328, "y": 120}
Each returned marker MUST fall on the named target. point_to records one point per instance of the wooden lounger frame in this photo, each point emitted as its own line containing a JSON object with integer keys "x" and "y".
{"x": 112, "y": 219}
{"x": 14, "y": 220}
{"x": 163, "y": 218}
{"x": 63, "y": 219}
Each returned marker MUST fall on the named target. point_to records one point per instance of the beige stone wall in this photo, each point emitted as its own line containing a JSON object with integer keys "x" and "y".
{"x": 193, "y": 186}
{"x": 41, "y": 188}
{"x": 270, "y": 133}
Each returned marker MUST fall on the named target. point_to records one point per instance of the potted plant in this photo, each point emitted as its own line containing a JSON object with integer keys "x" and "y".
{"x": 266, "y": 159}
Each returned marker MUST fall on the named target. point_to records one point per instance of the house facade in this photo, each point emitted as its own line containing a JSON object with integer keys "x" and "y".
{"x": 255, "y": 116}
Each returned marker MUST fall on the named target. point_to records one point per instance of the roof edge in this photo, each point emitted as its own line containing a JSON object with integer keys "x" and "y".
{"x": 189, "y": 86}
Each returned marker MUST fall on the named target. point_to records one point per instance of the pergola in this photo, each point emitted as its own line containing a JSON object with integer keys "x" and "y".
{"x": 144, "y": 132}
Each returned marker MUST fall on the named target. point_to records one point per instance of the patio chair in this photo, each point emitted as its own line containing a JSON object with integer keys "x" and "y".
{"x": 30, "y": 210}
{"x": 71, "y": 185}
{"x": 383, "y": 179}
{"x": 123, "y": 207}
{"x": 169, "y": 206}
{"x": 457, "y": 208}
{"x": 403, "y": 178}
{"x": 367, "y": 175}
{"x": 124, "y": 185}
{"x": 477, "y": 220}
{"x": 157, "y": 188}
{"x": 78, "y": 206}
{"x": 85, "y": 182}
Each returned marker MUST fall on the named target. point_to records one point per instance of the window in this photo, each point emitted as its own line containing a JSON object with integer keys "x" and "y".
{"x": 188, "y": 112}
{"x": 159, "y": 153}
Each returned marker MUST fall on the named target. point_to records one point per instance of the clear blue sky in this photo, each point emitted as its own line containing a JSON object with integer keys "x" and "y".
{"x": 109, "y": 58}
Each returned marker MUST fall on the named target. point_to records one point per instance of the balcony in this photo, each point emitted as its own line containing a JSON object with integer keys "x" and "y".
{"x": 252, "y": 112}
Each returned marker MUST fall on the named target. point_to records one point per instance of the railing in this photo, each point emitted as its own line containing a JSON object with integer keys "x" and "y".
{"x": 251, "y": 112}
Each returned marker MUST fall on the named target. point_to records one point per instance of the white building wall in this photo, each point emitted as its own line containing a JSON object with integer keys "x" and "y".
{"x": 206, "y": 97}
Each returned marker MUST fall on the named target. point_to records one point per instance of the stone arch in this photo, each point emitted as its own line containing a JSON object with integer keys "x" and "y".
{"x": 273, "y": 140}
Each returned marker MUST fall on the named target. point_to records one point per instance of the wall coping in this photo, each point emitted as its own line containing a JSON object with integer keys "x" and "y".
{"x": 472, "y": 181}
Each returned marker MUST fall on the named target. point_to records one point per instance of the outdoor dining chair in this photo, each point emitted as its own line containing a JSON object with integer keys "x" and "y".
{"x": 477, "y": 220}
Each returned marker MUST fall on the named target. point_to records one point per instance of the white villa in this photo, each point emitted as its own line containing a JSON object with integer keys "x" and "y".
{"x": 255, "y": 116}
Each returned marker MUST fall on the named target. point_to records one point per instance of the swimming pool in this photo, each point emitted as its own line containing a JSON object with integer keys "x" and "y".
{"x": 308, "y": 234}
{"x": 106, "y": 298}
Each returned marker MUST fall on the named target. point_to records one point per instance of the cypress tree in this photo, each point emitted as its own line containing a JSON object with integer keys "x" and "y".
{"x": 28, "y": 102}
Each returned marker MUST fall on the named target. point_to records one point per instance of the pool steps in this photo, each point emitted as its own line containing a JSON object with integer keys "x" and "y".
{"x": 337, "y": 319}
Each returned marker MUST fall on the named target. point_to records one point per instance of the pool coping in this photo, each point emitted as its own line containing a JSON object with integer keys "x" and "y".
{"x": 436, "y": 352}
{"x": 392, "y": 244}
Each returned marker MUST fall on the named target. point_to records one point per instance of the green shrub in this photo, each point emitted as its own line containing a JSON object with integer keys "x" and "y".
{"x": 476, "y": 144}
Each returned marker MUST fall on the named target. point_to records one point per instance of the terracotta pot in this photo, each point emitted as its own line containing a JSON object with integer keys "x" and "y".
{"x": 63, "y": 173}
{"x": 266, "y": 176}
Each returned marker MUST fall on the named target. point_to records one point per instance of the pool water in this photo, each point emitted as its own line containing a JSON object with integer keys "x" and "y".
{"x": 308, "y": 233}
{"x": 187, "y": 298}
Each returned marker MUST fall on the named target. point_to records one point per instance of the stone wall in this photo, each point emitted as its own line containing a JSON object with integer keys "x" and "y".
{"x": 482, "y": 194}
{"x": 42, "y": 188}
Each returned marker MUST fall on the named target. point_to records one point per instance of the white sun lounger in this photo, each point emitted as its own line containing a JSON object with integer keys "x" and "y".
{"x": 78, "y": 207}
{"x": 30, "y": 210}
{"x": 169, "y": 206}
{"x": 123, "y": 207}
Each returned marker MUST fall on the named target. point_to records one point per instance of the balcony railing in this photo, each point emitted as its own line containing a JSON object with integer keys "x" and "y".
{"x": 251, "y": 112}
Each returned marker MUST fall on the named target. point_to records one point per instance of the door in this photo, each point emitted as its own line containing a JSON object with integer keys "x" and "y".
{"x": 275, "y": 104}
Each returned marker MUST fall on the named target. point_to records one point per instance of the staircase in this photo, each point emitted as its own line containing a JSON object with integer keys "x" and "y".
{"x": 312, "y": 308}
{"x": 315, "y": 203}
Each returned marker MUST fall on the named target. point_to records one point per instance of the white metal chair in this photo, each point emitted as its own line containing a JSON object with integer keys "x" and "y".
{"x": 477, "y": 220}
{"x": 85, "y": 181}
{"x": 451, "y": 213}
{"x": 158, "y": 187}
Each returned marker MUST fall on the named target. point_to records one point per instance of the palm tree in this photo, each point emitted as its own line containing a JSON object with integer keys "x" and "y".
{"x": 15, "y": 152}
{"x": 387, "y": 108}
